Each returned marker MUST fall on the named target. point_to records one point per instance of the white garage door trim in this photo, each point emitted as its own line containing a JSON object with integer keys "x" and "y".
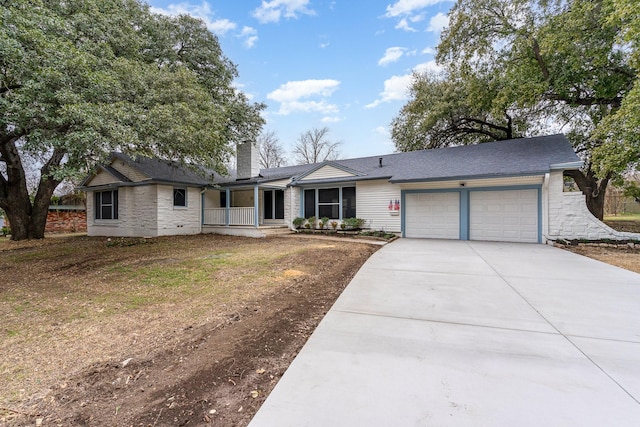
{"x": 523, "y": 225}
{"x": 504, "y": 215}
{"x": 434, "y": 215}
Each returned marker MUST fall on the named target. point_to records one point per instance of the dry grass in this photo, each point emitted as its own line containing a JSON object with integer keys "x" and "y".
{"x": 69, "y": 302}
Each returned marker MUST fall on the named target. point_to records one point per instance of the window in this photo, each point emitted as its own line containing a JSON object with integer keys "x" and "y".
{"x": 329, "y": 203}
{"x": 180, "y": 197}
{"x": 106, "y": 204}
{"x": 268, "y": 205}
{"x": 309, "y": 203}
{"x": 273, "y": 204}
{"x": 348, "y": 202}
{"x": 279, "y": 208}
{"x": 223, "y": 199}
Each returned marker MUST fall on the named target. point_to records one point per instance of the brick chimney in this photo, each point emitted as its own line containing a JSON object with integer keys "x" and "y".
{"x": 247, "y": 161}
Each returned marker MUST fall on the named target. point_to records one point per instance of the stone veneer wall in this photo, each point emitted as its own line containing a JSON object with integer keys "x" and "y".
{"x": 569, "y": 218}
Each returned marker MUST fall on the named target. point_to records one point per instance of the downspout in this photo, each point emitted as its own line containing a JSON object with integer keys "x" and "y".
{"x": 545, "y": 208}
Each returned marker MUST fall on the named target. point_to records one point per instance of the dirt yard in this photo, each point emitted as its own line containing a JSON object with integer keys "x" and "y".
{"x": 623, "y": 255}
{"x": 180, "y": 331}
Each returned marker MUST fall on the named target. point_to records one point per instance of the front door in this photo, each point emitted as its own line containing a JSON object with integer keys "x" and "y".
{"x": 273, "y": 204}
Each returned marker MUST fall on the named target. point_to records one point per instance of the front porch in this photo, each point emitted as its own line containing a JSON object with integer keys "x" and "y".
{"x": 254, "y": 207}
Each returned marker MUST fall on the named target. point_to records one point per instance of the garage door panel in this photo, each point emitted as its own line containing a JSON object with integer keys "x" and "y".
{"x": 509, "y": 215}
{"x": 433, "y": 215}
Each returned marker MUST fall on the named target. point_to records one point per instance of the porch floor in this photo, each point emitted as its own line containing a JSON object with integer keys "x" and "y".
{"x": 247, "y": 231}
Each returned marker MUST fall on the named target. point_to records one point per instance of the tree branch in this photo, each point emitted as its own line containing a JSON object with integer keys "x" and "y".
{"x": 536, "y": 52}
{"x": 586, "y": 101}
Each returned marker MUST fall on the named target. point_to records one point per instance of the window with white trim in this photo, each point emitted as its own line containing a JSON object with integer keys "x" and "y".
{"x": 329, "y": 203}
{"x": 334, "y": 203}
{"x": 106, "y": 204}
{"x": 180, "y": 197}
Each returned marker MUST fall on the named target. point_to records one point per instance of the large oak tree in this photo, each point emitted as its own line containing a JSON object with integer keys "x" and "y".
{"x": 515, "y": 68}
{"x": 82, "y": 78}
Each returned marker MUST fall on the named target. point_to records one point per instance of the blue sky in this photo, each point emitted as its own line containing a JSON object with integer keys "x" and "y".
{"x": 314, "y": 63}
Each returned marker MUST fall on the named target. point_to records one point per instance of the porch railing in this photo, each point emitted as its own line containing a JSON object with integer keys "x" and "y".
{"x": 237, "y": 216}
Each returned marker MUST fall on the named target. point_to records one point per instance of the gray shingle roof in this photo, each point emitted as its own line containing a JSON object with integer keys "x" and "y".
{"x": 525, "y": 156}
{"x": 167, "y": 171}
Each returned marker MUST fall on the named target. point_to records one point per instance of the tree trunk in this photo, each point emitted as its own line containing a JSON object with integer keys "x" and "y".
{"x": 27, "y": 220}
{"x": 593, "y": 188}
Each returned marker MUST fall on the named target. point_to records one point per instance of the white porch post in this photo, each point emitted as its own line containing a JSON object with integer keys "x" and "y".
{"x": 228, "y": 203}
{"x": 256, "y": 206}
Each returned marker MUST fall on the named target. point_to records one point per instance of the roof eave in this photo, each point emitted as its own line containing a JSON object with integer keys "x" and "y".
{"x": 466, "y": 177}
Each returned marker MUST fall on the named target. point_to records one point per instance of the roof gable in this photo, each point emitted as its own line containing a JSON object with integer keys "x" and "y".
{"x": 327, "y": 170}
{"x": 105, "y": 175}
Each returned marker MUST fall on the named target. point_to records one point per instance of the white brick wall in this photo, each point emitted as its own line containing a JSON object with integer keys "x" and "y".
{"x": 137, "y": 214}
{"x": 174, "y": 220}
{"x": 148, "y": 211}
{"x": 569, "y": 218}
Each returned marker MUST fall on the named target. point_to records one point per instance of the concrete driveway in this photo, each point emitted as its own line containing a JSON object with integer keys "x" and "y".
{"x": 453, "y": 333}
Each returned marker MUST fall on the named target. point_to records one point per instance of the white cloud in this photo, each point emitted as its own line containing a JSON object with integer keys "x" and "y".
{"x": 202, "y": 11}
{"x": 272, "y": 11}
{"x": 323, "y": 45}
{"x": 392, "y": 54}
{"x": 429, "y": 51}
{"x": 221, "y": 26}
{"x": 396, "y": 88}
{"x": 331, "y": 119}
{"x": 438, "y": 22}
{"x": 408, "y": 7}
{"x": 403, "y": 24}
{"x": 250, "y": 36}
{"x": 382, "y": 130}
{"x": 429, "y": 66}
{"x": 293, "y": 96}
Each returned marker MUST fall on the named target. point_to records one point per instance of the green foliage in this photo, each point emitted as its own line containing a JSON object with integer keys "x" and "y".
{"x": 311, "y": 221}
{"x": 82, "y": 78}
{"x": 354, "y": 223}
{"x": 378, "y": 233}
{"x": 90, "y": 77}
{"x": 514, "y": 68}
{"x": 632, "y": 189}
{"x": 324, "y": 221}
{"x": 297, "y": 222}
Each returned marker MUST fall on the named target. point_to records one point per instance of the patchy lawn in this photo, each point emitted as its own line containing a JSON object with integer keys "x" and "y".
{"x": 189, "y": 330}
{"x": 622, "y": 255}
{"x": 624, "y": 222}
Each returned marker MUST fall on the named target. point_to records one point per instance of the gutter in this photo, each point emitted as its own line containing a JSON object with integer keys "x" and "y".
{"x": 466, "y": 177}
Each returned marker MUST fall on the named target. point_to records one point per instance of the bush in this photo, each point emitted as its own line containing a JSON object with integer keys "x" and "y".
{"x": 354, "y": 223}
{"x": 311, "y": 221}
{"x": 324, "y": 221}
{"x": 297, "y": 222}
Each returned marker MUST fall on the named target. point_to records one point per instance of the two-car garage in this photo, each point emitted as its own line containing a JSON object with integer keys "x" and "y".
{"x": 509, "y": 215}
